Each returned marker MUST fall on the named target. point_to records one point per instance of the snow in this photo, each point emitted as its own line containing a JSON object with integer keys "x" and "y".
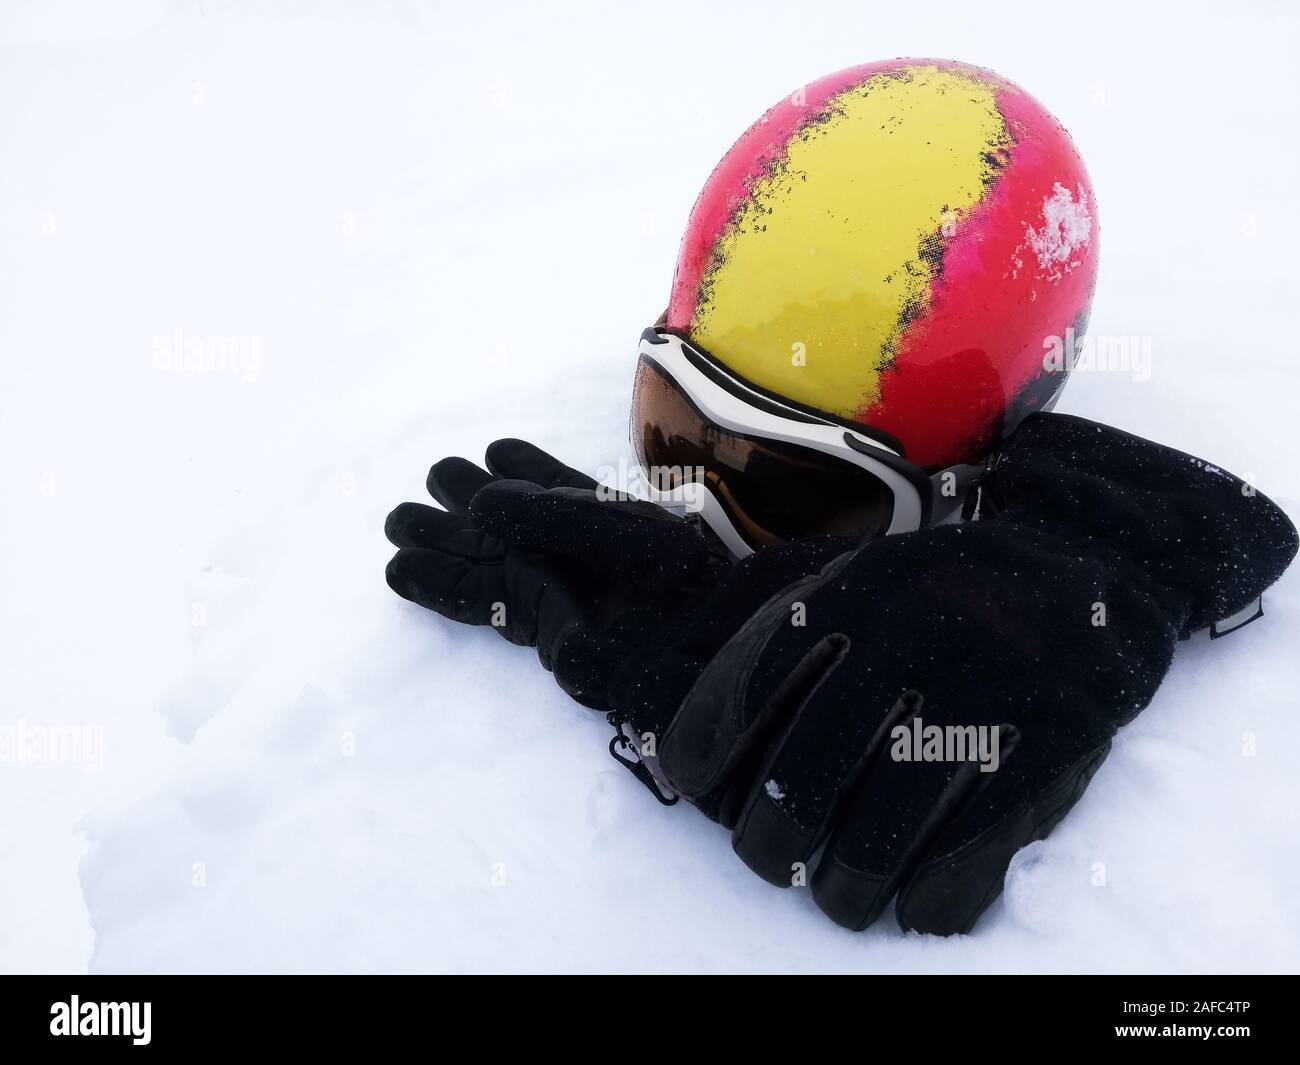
{"x": 1067, "y": 225}
{"x": 439, "y": 224}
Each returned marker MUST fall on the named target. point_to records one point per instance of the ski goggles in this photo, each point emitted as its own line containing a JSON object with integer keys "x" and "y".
{"x": 761, "y": 471}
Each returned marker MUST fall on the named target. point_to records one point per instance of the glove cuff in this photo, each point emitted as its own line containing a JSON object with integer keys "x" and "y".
{"x": 1206, "y": 539}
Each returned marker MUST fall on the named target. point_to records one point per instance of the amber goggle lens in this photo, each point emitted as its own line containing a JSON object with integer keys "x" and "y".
{"x": 772, "y": 491}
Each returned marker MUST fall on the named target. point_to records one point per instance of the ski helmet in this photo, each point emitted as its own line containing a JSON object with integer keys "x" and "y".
{"x": 891, "y": 249}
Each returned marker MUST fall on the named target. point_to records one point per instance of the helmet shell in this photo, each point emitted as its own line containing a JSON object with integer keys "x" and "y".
{"x": 896, "y": 245}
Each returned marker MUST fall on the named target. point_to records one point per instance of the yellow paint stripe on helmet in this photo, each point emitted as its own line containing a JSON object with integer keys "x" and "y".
{"x": 796, "y": 299}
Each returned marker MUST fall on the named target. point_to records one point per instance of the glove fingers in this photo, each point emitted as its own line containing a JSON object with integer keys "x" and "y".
{"x": 456, "y": 585}
{"x": 714, "y": 727}
{"x": 795, "y": 797}
{"x": 518, "y": 460}
{"x": 891, "y": 820}
{"x": 965, "y": 868}
{"x": 626, "y": 538}
{"x": 418, "y": 525}
{"x": 453, "y": 482}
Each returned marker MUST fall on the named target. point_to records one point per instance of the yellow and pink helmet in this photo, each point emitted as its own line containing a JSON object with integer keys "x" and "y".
{"x": 892, "y": 248}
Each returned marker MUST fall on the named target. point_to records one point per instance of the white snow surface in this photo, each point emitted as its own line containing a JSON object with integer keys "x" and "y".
{"x": 437, "y": 224}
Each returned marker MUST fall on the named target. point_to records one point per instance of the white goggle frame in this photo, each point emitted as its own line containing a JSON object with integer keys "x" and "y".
{"x": 736, "y": 406}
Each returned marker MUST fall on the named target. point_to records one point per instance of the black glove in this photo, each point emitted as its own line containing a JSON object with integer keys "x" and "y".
{"x": 537, "y": 550}
{"x": 783, "y": 737}
{"x": 1029, "y": 635}
{"x": 603, "y": 549}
